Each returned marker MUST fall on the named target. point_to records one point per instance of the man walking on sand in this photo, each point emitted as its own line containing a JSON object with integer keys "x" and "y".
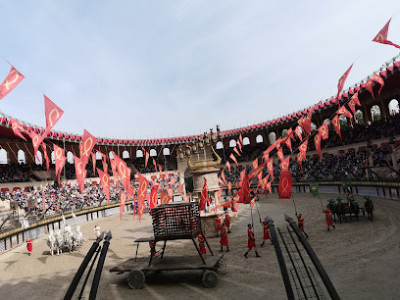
{"x": 251, "y": 242}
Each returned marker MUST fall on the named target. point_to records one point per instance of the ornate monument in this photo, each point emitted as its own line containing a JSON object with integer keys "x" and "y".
{"x": 203, "y": 161}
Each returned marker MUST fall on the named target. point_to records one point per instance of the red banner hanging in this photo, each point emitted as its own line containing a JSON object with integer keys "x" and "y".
{"x": 374, "y": 78}
{"x": 285, "y": 185}
{"x": 336, "y": 124}
{"x": 105, "y": 183}
{"x": 88, "y": 143}
{"x": 324, "y": 131}
{"x": 341, "y": 83}
{"x": 317, "y": 143}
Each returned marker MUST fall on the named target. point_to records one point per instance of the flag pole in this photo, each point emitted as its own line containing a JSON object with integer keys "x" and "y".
{"x": 258, "y": 211}
{"x": 294, "y": 204}
{"x": 252, "y": 222}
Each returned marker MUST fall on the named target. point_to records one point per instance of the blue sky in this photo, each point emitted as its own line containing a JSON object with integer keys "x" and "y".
{"x": 145, "y": 69}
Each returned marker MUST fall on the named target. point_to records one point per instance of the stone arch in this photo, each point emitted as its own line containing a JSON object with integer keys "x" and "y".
{"x": 21, "y": 156}
{"x": 232, "y": 143}
{"x": 53, "y": 157}
{"x": 359, "y": 117}
{"x": 111, "y": 155}
{"x": 153, "y": 152}
{"x": 259, "y": 139}
{"x": 70, "y": 158}
{"x": 313, "y": 126}
{"x": 220, "y": 145}
{"x": 125, "y": 155}
{"x": 98, "y": 156}
{"x": 375, "y": 113}
{"x": 166, "y": 151}
{"x": 393, "y": 107}
{"x": 139, "y": 153}
{"x": 38, "y": 158}
{"x": 3, "y": 157}
{"x": 272, "y": 137}
{"x": 246, "y": 141}
{"x": 342, "y": 121}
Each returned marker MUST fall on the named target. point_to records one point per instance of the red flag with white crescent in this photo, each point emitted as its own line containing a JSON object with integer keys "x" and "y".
{"x": 105, "y": 183}
{"x": 298, "y": 133}
{"x": 154, "y": 196}
{"x": 88, "y": 142}
{"x": 324, "y": 131}
{"x": 270, "y": 166}
{"x": 53, "y": 113}
{"x": 59, "y": 159}
{"x": 123, "y": 172}
{"x": 285, "y": 164}
{"x": 143, "y": 185}
{"x": 285, "y": 185}
{"x": 374, "y": 78}
{"x": 279, "y": 153}
{"x": 17, "y": 128}
{"x": 93, "y": 162}
{"x": 381, "y": 37}
{"x": 352, "y": 105}
{"x": 288, "y": 142}
{"x": 13, "y": 78}
{"x": 242, "y": 175}
{"x": 36, "y": 141}
{"x": 341, "y": 83}
{"x": 343, "y": 111}
{"x": 80, "y": 173}
{"x": 228, "y": 165}
{"x": 303, "y": 148}
{"x": 114, "y": 170}
{"x": 336, "y": 124}
{"x": 254, "y": 164}
{"x": 164, "y": 197}
{"x": 317, "y": 143}
{"x": 245, "y": 191}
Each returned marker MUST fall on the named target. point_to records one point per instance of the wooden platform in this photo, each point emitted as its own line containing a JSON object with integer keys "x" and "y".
{"x": 169, "y": 263}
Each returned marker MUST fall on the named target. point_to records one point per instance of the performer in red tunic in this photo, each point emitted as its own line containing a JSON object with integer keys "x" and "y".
{"x": 203, "y": 249}
{"x": 300, "y": 221}
{"x": 217, "y": 224}
{"x": 267, "y": 235}
{"x": 224, "y": 239}
{"x": 227, "y": 221}
{"x": 328, "y": 215}
{"x": 251, "y": 243}
{"x": 29, "y": 246}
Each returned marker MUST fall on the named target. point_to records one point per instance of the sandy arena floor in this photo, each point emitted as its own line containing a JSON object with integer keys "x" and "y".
{"x": 362, "y": 259}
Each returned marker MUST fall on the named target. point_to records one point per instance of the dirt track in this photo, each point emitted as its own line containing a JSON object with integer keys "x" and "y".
{"x": 362, "y": 259}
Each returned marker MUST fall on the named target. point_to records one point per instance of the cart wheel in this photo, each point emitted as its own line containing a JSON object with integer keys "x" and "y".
{"x": 209, "y": 279}
{"x": 136, "y": 279}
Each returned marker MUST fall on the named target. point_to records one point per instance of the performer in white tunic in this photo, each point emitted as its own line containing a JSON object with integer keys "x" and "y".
{"x": 97, "y": 230}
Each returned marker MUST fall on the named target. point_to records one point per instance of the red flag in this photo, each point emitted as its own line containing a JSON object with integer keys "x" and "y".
{"x": 336, "y": 125}
{"x": 60, "y": 160}
{"x": 237, "y": 152}
{"x": 375, "y": 78}
{"x": 223, "y": 176}
{"x": 146, "y": 155}
{"x": 80, "y": 173}
{"x": 153, "y": 196}
{"x": 298, "y": 133}
{"x": 285, "y": 164}
{"x": 141, "y": 208}
{"x": 324, "y": 131}
{"x": 258, "y": 170}
{"x": 355, "y": 98}
{"x": 341, "y": 82}
{"x": 234, "y": 159}
{"x": 123, "y": 171}
{"x": 240, "y": 140}
{"x": 105, "y": 183}
{"x": 114, "y": 170}
{"x": 122, "y": 204}
{"x": 381, "y": 37}
{"x": 36, "y": 141}
{"x": 229, "y": 187}
{"x": 239, "y": 145}
{"x": 269, "y": 149}
{"x": 307, "y": 122}
{"x": 143, "y": 185}
{"x": 280, "y": 154}
{"x": 303, "y": 148}
{"x": 242, "y": 173}
{"x": 317, "y": 142}
{"x": 352, "y": 105}
{"x": 46, "y": 157}
{"x": 285, "y": 185}
{"x": 269, "y": 187}
{"x": 218, "y": 195}
{"x": 164, "y": 197}
{"x": 288, "y": 142}
{"x": 10, "y": 82}
{"x": 88, "y": 143}
{"x": 270, "y": 166}
{"x": 228, "y": 165}
{"x": 16, "y": 127}
{"x": 155, "y": 165}
{"x": 53, "y": 113}
{"x": 300, "y": 160}
{"x": 254, "y": 164}
{"x": 204, "y": 200}
{"x": 343, "y": 111}
{"x": 93, "y": 162}
{"x": 245, "y": 191}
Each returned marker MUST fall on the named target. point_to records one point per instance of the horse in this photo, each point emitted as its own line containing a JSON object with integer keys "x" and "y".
{"x": 340, "y": 210}
{"x": 369, "y": 208}
{"x": 59, "y": 242}
{"x": 77, "y": 236}
{"x": 354, "y": 208}
{"x": 51, "y": 242}
{"x": 67, "y": 237}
